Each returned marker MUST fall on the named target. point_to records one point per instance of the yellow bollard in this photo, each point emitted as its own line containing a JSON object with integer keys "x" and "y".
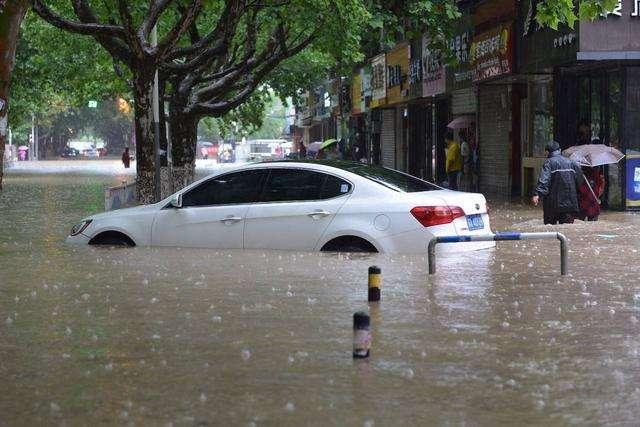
{"x": 375, "y": 282}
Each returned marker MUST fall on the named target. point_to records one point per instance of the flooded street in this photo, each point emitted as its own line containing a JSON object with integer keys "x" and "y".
{"x": 170, "y": 336}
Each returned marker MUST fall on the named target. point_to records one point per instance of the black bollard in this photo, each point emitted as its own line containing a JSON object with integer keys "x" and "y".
{"x": 375, "y": 281}
{"x": 361, "y": 335}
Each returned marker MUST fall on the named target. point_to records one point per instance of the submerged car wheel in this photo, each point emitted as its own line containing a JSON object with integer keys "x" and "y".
{"x": 348, "y": 244}
{"x": 112, "y": 238}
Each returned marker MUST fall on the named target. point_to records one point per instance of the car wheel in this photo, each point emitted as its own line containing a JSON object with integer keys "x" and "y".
{"x": 348, "y": 244}
{"x": 112, "y": 238}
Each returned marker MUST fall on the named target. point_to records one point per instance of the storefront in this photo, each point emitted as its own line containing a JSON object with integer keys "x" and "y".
{"x": 499, "y": 97}
{"x": 542, "y": 50}
{"x": 462, "y": 99}
{"x": 382, "y": 134}
{"x": 395, "y": 113}
{"x": 323, "y": 124}
{"x": 358, "y": 136}
{"x": 599, "y": 98}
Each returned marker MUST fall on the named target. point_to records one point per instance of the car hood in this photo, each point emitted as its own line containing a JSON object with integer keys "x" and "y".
{"x": 125, "y": 212}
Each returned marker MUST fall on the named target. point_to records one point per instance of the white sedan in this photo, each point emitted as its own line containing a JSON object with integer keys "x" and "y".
{"x": 302, "y": 206}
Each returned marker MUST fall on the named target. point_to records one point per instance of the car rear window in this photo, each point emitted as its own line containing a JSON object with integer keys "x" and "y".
{"x": 391, "y": 179}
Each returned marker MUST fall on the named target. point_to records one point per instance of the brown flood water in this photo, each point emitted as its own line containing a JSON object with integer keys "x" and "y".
{"x": 200, "y": 337}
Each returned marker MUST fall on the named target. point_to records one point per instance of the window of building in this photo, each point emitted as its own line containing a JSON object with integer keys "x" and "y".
{"x": 542, "y": 106}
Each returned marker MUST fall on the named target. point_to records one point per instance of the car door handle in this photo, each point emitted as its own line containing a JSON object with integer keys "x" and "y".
{"x": 319, "y": 214}
{"x": 231, "y": 218}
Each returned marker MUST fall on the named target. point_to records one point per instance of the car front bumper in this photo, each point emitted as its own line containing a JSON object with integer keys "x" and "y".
{"x": 78, "y": 239}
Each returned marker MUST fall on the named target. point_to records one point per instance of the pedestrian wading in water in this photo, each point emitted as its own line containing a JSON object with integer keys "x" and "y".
{"x": 558, "y": 186}
{"x": 126, "y": 158}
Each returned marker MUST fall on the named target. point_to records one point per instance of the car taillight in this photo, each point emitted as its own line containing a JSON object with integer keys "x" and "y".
{"x": 436, "y": 215}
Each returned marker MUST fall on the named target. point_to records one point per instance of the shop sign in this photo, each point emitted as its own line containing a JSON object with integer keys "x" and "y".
{"x": 618, "y": 10}
{"x": 378, "y": 80}
{"x": 397, "y": 73}
{"x": 334, "y": 96}
{"x": 492, "y": 53}
{"x": 460, "y": 47}
{"x": 433, "y": 75}
{"x": 357, "y": 100}
{"x": 415, "y": 71}
{"x": 543, "y": 48}
{"x": 345, "y": 97}
{"x": 365, "y": 77}
{"x": 618, "y": 32}
{"x": 633, "y": 180}
{"x": 321, "y": 103}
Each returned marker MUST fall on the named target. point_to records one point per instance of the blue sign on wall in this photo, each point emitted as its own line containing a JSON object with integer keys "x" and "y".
{"x": 633, "y": 180}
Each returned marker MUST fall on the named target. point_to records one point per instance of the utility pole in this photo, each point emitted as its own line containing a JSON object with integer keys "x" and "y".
{"x": 32, "y": 148}
{"x": 156, "y": 124}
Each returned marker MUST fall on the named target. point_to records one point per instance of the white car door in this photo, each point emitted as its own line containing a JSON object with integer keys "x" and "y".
{"x": 212, "y": 214}
{"x": 295, "y": 209}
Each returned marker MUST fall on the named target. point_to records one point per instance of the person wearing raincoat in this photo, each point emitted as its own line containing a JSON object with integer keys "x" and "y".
{"x": 589, "y": 193}
{"x": 453, "y": 164}
{"x": 558, "y": 186}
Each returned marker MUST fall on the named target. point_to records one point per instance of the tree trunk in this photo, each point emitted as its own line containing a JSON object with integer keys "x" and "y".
{"x": 145, "y": 168}
{"x": 184, "y": 133}
{"x": 11, "y": 15}
{"x": 166, "y": 185}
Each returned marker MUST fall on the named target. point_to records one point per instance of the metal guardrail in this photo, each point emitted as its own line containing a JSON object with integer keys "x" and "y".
{"x": 496, "y": 237}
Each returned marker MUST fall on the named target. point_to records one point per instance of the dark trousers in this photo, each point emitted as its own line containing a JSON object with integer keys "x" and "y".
{"x": 452, "y": 177}
{"x": 557, "y": 217}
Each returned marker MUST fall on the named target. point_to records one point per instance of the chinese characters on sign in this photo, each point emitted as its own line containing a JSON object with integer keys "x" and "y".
{"x": 394, "y": 74}
{"x": 460, "y": 46}
{"x": 564, "y": 40}
{"x": 617, "y": 11}
{"x": 434, "y": 81}
{"x": 491, "y": 53}
{"x": 415, "y": 71}
{"x": 378, "y": 77}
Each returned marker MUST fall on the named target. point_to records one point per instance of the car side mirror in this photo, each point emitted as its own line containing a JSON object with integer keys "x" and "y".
{"x": 176, "y": 201}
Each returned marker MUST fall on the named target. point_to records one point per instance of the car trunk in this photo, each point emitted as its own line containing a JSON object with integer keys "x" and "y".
{"x": 474, "y": 205}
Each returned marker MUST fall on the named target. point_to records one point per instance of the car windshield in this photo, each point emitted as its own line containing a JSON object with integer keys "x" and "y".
{"x": 390, "y": 178}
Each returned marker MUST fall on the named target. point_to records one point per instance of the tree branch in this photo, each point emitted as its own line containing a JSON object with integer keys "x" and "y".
{"x": 89, "y": 29}
{"x": 155, "y": 10}
{"x": 169, "y": 41}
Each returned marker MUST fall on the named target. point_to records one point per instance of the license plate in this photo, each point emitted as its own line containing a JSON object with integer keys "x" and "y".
{"x": 474, "y": 222}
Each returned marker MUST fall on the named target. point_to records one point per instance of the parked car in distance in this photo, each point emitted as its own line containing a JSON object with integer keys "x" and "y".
{"x": 92, "y": 152}
{"x": 301, "y": 206}
{"x": 69, "y": 152}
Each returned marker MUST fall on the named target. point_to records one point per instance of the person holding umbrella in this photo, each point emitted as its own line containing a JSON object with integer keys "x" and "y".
{"x": 591, "y": 157}
{"x": 558, "y": 186}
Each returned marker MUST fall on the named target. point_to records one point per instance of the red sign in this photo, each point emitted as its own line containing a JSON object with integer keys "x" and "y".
{"x": 492, "y": 53}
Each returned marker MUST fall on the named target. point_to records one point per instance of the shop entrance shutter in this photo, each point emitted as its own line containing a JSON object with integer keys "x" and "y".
{"x": 388, "y": 138}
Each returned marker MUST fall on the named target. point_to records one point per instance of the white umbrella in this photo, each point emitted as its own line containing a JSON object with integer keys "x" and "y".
{"x": 314, "y": 147}
{"x": 593, "y": 154}
{"x": 461, "y": 122}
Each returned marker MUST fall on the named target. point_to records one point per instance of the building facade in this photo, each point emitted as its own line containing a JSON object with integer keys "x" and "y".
{"x": 514, "y": 85}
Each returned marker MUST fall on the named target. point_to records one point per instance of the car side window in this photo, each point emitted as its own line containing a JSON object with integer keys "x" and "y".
{"x": 289, "y": 185}
{"x": 334, "y": 187}
{"x": 233, "y": 188}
